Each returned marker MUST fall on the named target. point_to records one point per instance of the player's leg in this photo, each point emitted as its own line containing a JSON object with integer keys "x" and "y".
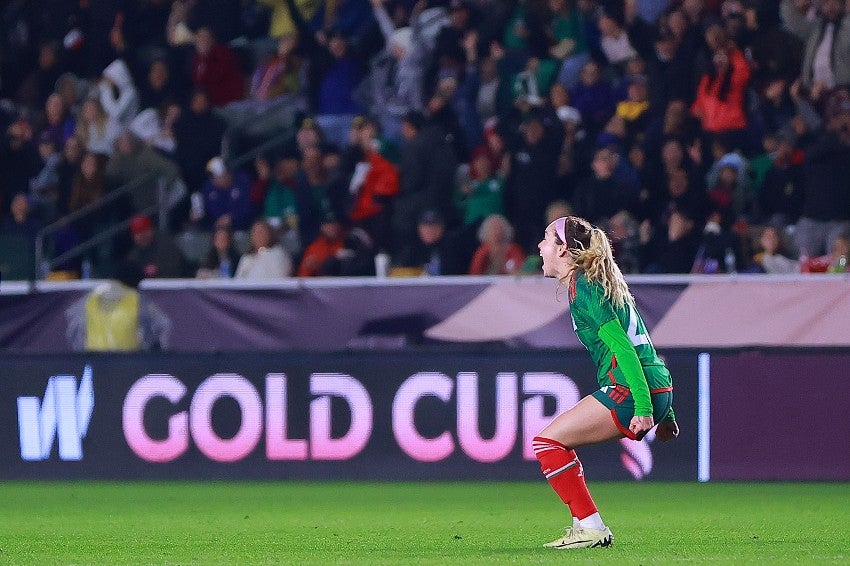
{"x": 589, "y": 422}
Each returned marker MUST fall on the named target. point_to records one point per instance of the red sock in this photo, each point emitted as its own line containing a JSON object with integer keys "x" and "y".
{"x": 563, "y": 470}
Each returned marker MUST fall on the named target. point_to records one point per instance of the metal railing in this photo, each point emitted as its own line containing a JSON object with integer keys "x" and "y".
{"x": 165, "y": 201}
{"x": 167, "y": 198}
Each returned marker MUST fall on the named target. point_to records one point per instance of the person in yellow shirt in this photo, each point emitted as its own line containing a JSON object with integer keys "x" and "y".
{"x": 281, "y": 21}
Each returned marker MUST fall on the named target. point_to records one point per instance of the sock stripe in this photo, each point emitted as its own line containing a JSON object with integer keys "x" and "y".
{"x": 562, "y": 469}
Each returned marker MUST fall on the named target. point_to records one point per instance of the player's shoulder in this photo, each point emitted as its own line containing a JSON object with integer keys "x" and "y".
{"x": 585, "y": 285}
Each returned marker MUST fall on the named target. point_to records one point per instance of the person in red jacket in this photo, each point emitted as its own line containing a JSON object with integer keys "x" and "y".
{"x": 216, "y": 70}
{"x": 327, "y": 245}
{"x": 375, "y": 182}
{"x": 719, "y": 102}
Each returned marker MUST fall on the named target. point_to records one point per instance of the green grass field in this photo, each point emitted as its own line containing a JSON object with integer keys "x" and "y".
{"x": 416, "y": 523}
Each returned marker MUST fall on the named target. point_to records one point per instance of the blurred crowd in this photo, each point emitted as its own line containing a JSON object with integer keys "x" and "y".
{"x": 275, "y": 138}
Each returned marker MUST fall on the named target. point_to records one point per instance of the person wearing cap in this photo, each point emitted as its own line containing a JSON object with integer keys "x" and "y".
{"x": 227, "y": 197}
{"x": 635, "y": 387}
{"x": 154, "y": 254}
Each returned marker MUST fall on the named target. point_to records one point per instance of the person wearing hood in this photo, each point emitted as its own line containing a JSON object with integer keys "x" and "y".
{"x": 117, "y": 93}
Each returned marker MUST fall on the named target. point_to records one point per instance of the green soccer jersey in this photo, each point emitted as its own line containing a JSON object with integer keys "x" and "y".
{"x": 590, "y": 310}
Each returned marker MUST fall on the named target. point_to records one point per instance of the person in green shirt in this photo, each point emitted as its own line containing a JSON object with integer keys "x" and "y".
{"x": 636, "y": 390}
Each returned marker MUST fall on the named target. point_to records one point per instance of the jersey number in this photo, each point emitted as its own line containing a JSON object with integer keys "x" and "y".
{"x": 635, "y": 337}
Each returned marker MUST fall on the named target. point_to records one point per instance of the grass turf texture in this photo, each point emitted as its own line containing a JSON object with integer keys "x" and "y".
{"x": 415, "y": 523}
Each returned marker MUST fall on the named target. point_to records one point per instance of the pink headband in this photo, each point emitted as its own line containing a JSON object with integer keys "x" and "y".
{"x": 561, "y": 228}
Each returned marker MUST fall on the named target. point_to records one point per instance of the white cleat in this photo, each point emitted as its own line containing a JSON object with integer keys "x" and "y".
{"x": 582, "y": 537}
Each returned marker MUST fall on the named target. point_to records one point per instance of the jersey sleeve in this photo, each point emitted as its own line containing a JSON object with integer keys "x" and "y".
{"x": 627, "y": 359}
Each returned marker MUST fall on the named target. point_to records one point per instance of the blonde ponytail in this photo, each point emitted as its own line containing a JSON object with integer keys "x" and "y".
{"x": 597, "y": 262}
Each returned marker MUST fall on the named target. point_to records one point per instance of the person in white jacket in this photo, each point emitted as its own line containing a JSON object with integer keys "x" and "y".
{"x": 267, "y": 259}
{"x": 117, "y": 93}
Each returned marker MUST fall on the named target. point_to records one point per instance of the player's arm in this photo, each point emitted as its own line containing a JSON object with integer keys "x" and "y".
{"x": 613, "y": 335}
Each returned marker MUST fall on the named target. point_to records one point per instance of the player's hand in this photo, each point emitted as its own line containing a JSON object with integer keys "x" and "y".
{"x": 667, "y": 430}
{"x": 639, "y": 426}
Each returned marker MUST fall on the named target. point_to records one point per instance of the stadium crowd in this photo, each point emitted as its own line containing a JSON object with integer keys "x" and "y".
{"x": 705, "y": 136}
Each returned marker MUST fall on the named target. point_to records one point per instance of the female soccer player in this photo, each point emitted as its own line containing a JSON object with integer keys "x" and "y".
{"x": 636, "y": 390}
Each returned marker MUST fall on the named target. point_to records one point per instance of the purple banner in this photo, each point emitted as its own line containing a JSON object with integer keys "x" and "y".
{"x": 321, "y": 317}
{"x": 379, "y": 416}
{"x": 780, "y": 416}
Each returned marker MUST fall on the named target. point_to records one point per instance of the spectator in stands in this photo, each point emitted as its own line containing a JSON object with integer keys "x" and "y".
{"x": 671, "y": 247}
{"x": 73, "y": 90}
{"x": 728, "y": 183}
{"x": 833, "y": 262}
{"x": 89, "y": 189}
{"x": 394, "y": 86}
{"x": 773, "y": 257}
{"x": 782, "y": 192}
{"x": 59, "y": 124}
{"x": 278, "y": 202}
{"x": 198, "y": 134}
{"x": 826, "y": 202}
{"x": 155, "y": 127}
{"x": 622, "y": 229}
{"x": 20, "y": 221}
{"x": 602, "y": 194}
{"x": 158, "y": 87}
{"x": 429, "y": 165}
{"x": 498, "y": 254}
{"x": 316, "y": 193}
{"x": 40, "y": 82}
{"x": 719, "y": 102}
{"x": 334, "y": 72}
{"x": 136, "y": 162}
{"x": 281, "y": 19}
{"x": 720, "y": 249}
{"x": 215, "y": 69}
{"x": 530, "y": 184}
{"x": 117, "y": 93}
{"x": 227, "y": 198}
{"x": 593, "y": 97}
{"x": 326, "y": 246}
{"x": 19, "y": 159}
{"x": 43, "y": 187}
{"x": 614, "y": 40}
{"x": 482, "y": 194}
{"x": 567, "y": 40}
{"x": 276, "y": 97}
{"x": 266, "y": 259}
{"x": 97, "y": 129}
{"x": 823, "y": 27}
{"x": 373, "y": 186}
{"x": 680, "y": 196}
{"x": 72, "y": 156}
{"x": 222, "y": 259}
{"x": 434, "y": 251}
{"x": 154, "y": 253}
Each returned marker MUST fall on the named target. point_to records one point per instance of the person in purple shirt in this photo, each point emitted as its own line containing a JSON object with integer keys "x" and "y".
{"x": 226, "y": 198}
